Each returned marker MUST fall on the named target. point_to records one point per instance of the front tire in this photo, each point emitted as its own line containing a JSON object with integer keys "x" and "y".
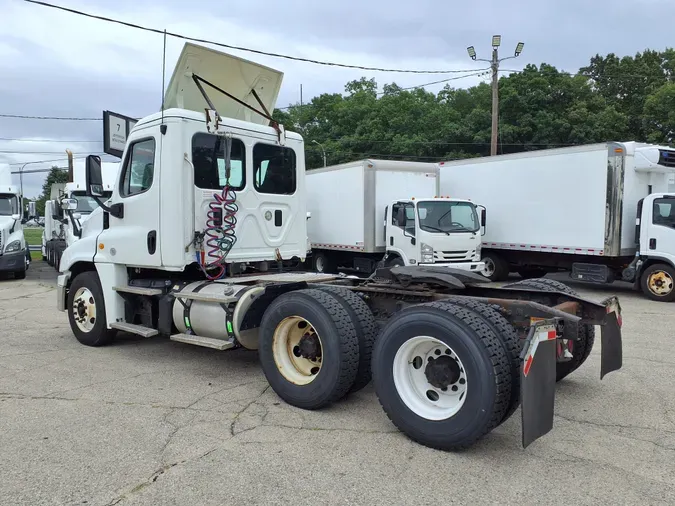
{"x": 496, "y": 268}
{"x": 658, "y": 282}
{"x": 309, "y": 349}
{"x": 86, "y": 311}
{"x": 441, "y": 375}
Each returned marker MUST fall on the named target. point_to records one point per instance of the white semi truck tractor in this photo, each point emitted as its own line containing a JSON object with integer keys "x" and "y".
{"x": 14, "y": 254}
{"x": 609, "y": 215}
{"x": 202, "y": 243}
{"x": 381, "y": 212}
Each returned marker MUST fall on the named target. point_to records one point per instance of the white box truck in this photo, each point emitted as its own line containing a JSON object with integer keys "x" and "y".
{"x": 68, "y": 209}
{"x": 369, "y": 211}
{"x": 201, "y": 242}
{"x": 601, "y": 211}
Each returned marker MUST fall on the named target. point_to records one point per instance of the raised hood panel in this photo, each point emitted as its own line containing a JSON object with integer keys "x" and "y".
{"x": 230, "y": 73}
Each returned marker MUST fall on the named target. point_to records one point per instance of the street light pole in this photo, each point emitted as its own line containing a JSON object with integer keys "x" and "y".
{"x": 323, "y": 150}
{"x": 494, "y": 66}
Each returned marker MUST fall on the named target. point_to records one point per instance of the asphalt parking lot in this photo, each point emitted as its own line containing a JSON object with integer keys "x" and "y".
{"x": 149, "y": 421}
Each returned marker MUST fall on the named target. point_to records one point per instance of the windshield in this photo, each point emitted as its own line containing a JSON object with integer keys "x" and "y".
{"x": 9, "y": 204}
{"x": 438, "y": 216}
{"x": 87, "y": 204}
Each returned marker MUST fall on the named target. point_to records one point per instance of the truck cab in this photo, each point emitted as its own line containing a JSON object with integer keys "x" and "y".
{"x": 13, "y": 248}
{"x": 435, "y": 231}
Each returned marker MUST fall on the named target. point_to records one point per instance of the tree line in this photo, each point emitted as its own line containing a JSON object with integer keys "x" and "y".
{"x": 630, "y": 98}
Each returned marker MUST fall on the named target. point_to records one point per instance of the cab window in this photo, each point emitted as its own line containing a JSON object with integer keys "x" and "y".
{"x": 274, "y": 169}
{"x": 664, "y": 212}
{"x": 208, "y": 158}
{"x": 409, "y": 225}
{"x": 139, "y": 168}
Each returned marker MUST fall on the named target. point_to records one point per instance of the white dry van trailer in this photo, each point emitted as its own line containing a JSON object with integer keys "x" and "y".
{"x": 14, "y": 254}
{"x": 601, "y": 211}
{"x": 368, "y": 211}
{"x": 68, "y": 209}
{"x": 201, "y": 244}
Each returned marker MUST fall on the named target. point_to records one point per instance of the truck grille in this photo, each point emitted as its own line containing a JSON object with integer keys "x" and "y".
{"x": 666, "y": 158}
{"x": 453, "y": 256}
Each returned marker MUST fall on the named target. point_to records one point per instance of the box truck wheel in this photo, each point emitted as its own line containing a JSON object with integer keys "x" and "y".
{"x": 395, "y": 261}
{"x": 581, "y": 348}
{"x": 509, "y": 339}
{"x": 86, "y": 310}
{"x": 496, "y": 268}
{"x": 658, "y": 282}
{"x": 366, "y": 329}
{"x": 442, "y": 375}
{"x": 322, "y": 262}
{"x": 309, "y": 350}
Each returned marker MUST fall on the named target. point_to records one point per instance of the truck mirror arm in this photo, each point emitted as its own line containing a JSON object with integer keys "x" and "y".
{"x": 116, "y": 210}
{"x": 77, "y": 230}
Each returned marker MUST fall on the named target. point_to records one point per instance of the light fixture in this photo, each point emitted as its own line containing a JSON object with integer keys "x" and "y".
{"x": 472, "y": 52}
{"x": 519, "y": 48}
{"x": 496, "y": 40}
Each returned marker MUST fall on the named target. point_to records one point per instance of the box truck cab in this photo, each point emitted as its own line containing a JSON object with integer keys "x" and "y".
{"x": 437, "y": 231}
{"x": 13, "y": 248}
{"x": 371, "y": 212}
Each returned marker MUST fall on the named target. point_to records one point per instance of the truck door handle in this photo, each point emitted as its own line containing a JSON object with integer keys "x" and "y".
{"x": 152, "y": 241}
{"x": 391, "y": 241}
{"x": 652, "y": 243}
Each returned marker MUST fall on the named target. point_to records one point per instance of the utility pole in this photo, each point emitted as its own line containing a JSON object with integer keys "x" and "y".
{"x": 494, "y": 66}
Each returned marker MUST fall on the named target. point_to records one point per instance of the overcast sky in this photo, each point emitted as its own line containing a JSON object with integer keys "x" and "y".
{"x": 54, "y": 63}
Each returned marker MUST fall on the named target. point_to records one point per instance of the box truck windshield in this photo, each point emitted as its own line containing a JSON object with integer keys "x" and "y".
{"x": 447, "y": 217}
{"x": 664, "y": 212}
{"x": 9, "y": 204}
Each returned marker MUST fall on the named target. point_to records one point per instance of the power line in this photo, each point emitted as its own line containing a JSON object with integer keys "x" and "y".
{"x": 10, "y": 151}
{"x": 12, "y": 139}
{"x": 239, "y": 48}
{"x": 21, "y": 116}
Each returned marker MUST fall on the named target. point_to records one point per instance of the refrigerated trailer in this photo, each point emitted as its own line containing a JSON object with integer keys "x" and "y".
{"x": 381, "y": 212}
{"x": 601, "y": 211}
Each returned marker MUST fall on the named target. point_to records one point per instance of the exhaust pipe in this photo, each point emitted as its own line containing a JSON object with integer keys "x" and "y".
{"x": 71, "y": 169}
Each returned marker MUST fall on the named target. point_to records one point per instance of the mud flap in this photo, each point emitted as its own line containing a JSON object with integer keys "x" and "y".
{"x": 611, "y": 357}
{"x": 537, "y": 381}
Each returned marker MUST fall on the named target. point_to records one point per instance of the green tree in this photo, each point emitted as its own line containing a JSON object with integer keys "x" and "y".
{"x": 659, "y": 115}
{"x": 55, "y": 176}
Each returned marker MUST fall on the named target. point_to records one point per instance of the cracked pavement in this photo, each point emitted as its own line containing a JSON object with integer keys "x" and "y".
{"x": 149, "y": 421}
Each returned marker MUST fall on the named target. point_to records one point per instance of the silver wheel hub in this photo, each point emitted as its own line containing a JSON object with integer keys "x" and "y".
{"x": 84, "y": 309}
{"x": 430, "y": 378}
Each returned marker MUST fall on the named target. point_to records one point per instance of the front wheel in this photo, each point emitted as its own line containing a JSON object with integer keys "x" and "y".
{"x": 86, "y": 311}
{"x": 658, "y": 282}
{"x": 441, "y": 375}
{"x": 496, "y": 268}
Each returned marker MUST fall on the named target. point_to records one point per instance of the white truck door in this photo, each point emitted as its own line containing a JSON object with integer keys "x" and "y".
{"x": 401, "y": 235}
{"x": 132, "y": 239}
{"x": 660, "y": 237}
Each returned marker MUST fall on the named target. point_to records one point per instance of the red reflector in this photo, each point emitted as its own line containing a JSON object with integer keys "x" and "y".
{"x": 528, "y": 364}
{"x": 551, "y": 334}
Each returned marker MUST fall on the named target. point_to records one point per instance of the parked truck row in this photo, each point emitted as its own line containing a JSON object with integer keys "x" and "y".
{"x": 68, "y": 209}
{"x": 203, "y": 241}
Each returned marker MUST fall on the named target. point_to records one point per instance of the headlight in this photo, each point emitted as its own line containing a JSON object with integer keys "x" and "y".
{"x": 427, "y": 253}
{"x": 478, "y": 249}
{"x": 13, "y": 246}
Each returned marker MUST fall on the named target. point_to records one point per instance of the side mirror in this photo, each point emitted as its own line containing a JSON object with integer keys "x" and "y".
{"x": 93, "y": 178}
{"x": 309, "y": 215}
{"x": 483, "y": 219}
{"x": 401, "y": 216}
{"x": 32, "y": 212}
{"x": 77, "y": 216}
{"x": 16, "y": 217}
{"x": 69, "y": 204}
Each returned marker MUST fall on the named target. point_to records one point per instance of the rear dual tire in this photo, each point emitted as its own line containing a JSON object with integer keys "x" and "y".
{"x": 442, "y": 374}
{"x": 581, "y": 348}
